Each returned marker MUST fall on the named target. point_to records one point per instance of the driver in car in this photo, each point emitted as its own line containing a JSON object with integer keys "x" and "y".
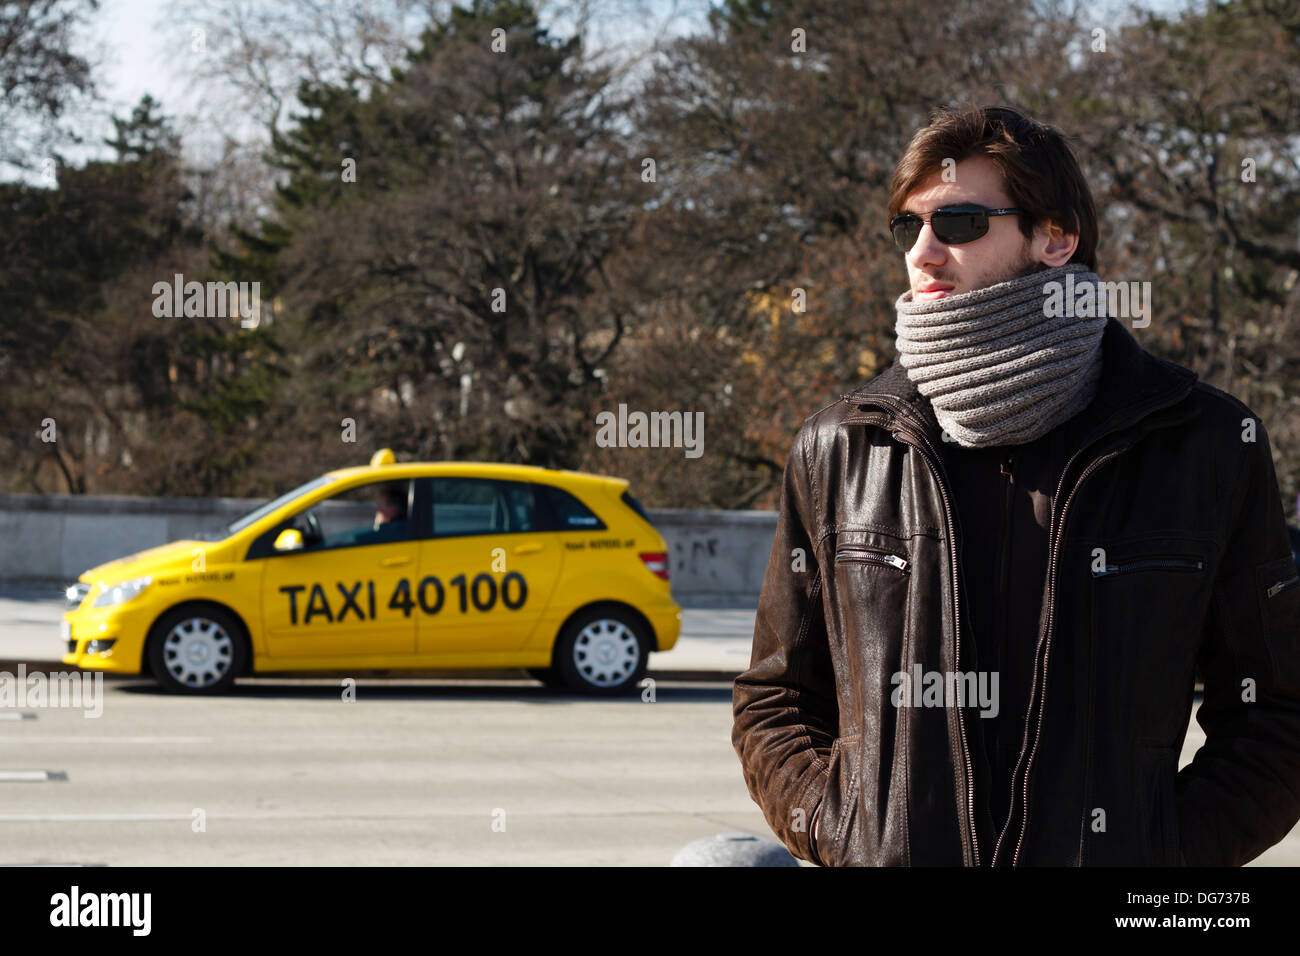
{"x": 390, "y": 514}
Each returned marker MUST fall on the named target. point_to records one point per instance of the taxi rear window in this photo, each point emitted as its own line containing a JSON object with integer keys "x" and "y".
{"x": 470, "y": 506}
{"x": 473, "y": 506}
{"x": 561, "y": 511}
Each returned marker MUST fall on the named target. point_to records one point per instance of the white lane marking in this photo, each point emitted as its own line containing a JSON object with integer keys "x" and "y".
{"x": 10, "y": 715}
{"x": 89, "y": 817}
{"x": 32, "y": 776}
{"x": 107, "y": 740}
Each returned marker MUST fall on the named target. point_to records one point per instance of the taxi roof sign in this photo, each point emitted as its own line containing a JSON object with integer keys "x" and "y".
{"x": 382, "y": 457}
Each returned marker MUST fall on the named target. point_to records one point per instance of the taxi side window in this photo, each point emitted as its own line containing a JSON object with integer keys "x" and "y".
{"x": 375, "y": 513}
{"x": 563, "y": 512}
{"x": 469, "y": 506}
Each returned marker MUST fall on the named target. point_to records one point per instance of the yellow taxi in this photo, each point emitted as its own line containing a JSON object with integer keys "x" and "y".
{"x": 389, "y": 567}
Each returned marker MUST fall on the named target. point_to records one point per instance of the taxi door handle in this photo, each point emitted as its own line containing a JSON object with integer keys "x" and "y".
{"x": 394, "y": 562}
{"x": 528, "y": 548}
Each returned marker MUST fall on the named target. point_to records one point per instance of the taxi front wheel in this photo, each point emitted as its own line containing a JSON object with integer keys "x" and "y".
{"x": 196, "y": 650}
{"x": 603, "y": 651}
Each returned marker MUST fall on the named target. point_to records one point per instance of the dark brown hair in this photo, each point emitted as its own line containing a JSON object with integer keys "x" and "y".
{"x": 1039, "y": 170}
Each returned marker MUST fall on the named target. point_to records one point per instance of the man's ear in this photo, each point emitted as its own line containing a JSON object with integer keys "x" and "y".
{"x": 1060, "y": 245}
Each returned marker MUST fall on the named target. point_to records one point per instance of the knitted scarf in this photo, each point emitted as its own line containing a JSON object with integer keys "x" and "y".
{"x": 1007, "y": 363}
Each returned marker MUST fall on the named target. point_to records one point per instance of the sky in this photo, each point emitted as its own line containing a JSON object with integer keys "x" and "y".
{"x": 139, "y": 61}
{"x": 136, "y": 45}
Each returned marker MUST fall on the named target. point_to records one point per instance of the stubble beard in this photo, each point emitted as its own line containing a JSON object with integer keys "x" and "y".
{"x": 1026, "y": 265}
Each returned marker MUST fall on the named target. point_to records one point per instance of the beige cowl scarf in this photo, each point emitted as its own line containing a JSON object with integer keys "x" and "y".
{"x": 1006, "y": 364}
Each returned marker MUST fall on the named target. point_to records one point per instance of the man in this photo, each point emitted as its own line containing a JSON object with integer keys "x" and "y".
{"x": 391, "y": 506}
{"x": 390, "y": 522}
{"x": 1000, "y": 566}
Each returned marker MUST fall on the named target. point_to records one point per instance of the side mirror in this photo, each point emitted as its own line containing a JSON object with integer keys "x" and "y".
{"x": 290, "y": 539}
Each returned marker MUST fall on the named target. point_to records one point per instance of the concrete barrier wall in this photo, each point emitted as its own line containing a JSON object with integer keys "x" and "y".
{"x": 717, "y": 557}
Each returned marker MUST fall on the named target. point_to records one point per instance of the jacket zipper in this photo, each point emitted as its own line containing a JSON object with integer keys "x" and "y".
{"x": 1003, "y": 650}
{"x": 1282, "y": 585}
{"x": 927, "y": 452}
{"x": 1007, "y": 528}
{"x": 873, "y": 556}
{"x": 1190, "y": 564}
{"x": 1027, "y": 756}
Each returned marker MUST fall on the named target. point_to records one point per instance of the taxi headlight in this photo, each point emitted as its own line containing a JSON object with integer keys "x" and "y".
{"x": 75, "y": 594}
{"x": 120, "y": 593}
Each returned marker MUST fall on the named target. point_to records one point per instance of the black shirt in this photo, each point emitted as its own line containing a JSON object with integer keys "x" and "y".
{"x": 1003, "y": 498}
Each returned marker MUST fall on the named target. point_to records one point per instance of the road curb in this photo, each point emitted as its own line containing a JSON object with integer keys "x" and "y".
{"x": 698, "y": 675}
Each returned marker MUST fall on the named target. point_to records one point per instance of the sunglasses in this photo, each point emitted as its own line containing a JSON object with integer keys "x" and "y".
{"x": 952, "y": 225}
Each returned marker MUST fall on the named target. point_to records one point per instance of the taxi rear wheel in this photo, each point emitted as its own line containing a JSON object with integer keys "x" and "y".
{"x": 197, "y": 650}
{"x": 603, "y": 651}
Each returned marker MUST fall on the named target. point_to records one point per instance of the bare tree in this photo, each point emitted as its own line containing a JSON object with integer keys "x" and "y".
{"x": 40, "y": 75}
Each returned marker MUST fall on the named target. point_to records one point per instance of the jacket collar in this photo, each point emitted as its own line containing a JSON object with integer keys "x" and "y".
{"x": 1134, "y": 384}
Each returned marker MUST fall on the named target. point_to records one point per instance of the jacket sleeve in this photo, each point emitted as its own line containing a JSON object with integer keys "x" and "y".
{"x": 785, "y": 713}
{"x": 1241, "y": 793}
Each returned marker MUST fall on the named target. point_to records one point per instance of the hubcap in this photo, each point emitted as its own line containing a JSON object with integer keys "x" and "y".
{"x": 197, "y": 652}
{"x": 606, "y": 652}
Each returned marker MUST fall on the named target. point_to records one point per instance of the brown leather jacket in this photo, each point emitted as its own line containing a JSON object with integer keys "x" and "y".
{"x": 1169, "y": 558}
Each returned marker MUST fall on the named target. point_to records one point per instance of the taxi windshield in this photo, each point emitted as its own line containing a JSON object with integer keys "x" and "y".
{"x": 270, "y": 506}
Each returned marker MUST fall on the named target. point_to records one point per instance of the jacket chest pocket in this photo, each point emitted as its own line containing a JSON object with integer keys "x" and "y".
{"x": 871, "y": 568}
{"x": 852, "y": 553}
{"x": 1150, "y": 598}
{"x": 1161, "y": 569}
{"x": 1148, "y": 554}
{"x": 869, "y": 597}
{"x": 1157, "y": 562}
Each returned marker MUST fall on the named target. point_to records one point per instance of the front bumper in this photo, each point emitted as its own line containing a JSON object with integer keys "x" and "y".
{"x": 104, "y": 639}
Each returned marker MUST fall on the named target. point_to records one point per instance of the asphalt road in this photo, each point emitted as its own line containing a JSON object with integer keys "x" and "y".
{"x": 419, "y": 772}
{"x": 411, "y": 772}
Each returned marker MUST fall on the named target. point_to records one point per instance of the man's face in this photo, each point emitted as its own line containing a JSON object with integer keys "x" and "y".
{"x": 935, "y": 270}
{"x": 388, "y": 510}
